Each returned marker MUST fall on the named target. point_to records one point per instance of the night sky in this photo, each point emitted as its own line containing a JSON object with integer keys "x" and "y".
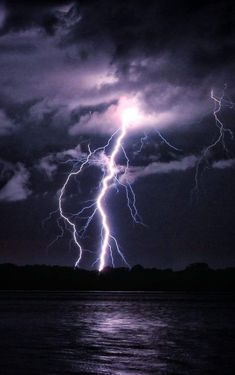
{"x": 66, "y": 68}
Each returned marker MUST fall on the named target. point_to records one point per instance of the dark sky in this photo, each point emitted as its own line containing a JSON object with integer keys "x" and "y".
{"x": 66, "y": 70}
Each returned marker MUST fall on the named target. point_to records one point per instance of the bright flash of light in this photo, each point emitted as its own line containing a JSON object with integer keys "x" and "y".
{"x": 113, "y": 176}
{"x": 129, "y": 116}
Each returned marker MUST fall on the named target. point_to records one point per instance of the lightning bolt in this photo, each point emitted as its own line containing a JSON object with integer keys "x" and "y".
{"x": 112, "y": 171}
{"x": 220, "y": 138}
{"x": 113, "y": 176}
{"x": 62, "y": 214}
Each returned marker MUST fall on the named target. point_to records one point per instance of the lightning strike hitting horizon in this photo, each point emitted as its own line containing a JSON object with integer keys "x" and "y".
{"x": 113, "y": 176}
{"x": 105, "y": 185}
{"x": 111, "y": 172}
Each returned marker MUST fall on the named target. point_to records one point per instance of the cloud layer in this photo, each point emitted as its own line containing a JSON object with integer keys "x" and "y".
{"x": 67, "y": 65}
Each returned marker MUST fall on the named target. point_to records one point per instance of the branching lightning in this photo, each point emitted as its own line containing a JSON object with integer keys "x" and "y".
{"x": 220, "y": 138}
{"x": 114, "y": 176}
{"x": 110, "y": 177}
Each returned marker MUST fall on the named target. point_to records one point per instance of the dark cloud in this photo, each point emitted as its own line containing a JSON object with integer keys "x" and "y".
{"x": 201, "y": 31}
{"x": 21, "y": 15}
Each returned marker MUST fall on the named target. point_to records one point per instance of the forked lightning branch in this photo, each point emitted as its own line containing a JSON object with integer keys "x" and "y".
{"x": 115, "y": 175}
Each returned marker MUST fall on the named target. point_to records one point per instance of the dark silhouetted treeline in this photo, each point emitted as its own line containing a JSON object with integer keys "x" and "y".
{"x": 196, "y": 277}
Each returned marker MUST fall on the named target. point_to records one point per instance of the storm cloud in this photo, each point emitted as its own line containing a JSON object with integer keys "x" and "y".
{"x": 68, "y": 60}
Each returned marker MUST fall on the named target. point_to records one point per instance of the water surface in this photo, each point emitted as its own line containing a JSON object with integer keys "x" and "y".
{"x": 116, "y": 333}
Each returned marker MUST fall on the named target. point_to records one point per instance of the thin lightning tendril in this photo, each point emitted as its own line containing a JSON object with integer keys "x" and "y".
{"x": 166, "y": 141}
{"x": 220, "y": 139}
{"x": 66, "y": 218}
{"x": 142, "y": 142}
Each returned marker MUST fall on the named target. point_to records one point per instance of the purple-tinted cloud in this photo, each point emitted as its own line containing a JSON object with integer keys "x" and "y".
{"x": 224, "y": 163}
{"x": 16, "y": 189}
{"x": 6, "y": 125}
{"x": 62, "y": 74}
{"x": 65, "y": 71}
{"x": 135, "y": 173}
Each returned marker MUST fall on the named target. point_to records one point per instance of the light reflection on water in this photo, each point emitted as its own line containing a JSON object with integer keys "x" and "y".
{"x": 116, "y": 333}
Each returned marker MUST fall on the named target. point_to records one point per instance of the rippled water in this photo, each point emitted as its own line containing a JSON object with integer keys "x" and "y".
{"x": 116, "y": 333}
